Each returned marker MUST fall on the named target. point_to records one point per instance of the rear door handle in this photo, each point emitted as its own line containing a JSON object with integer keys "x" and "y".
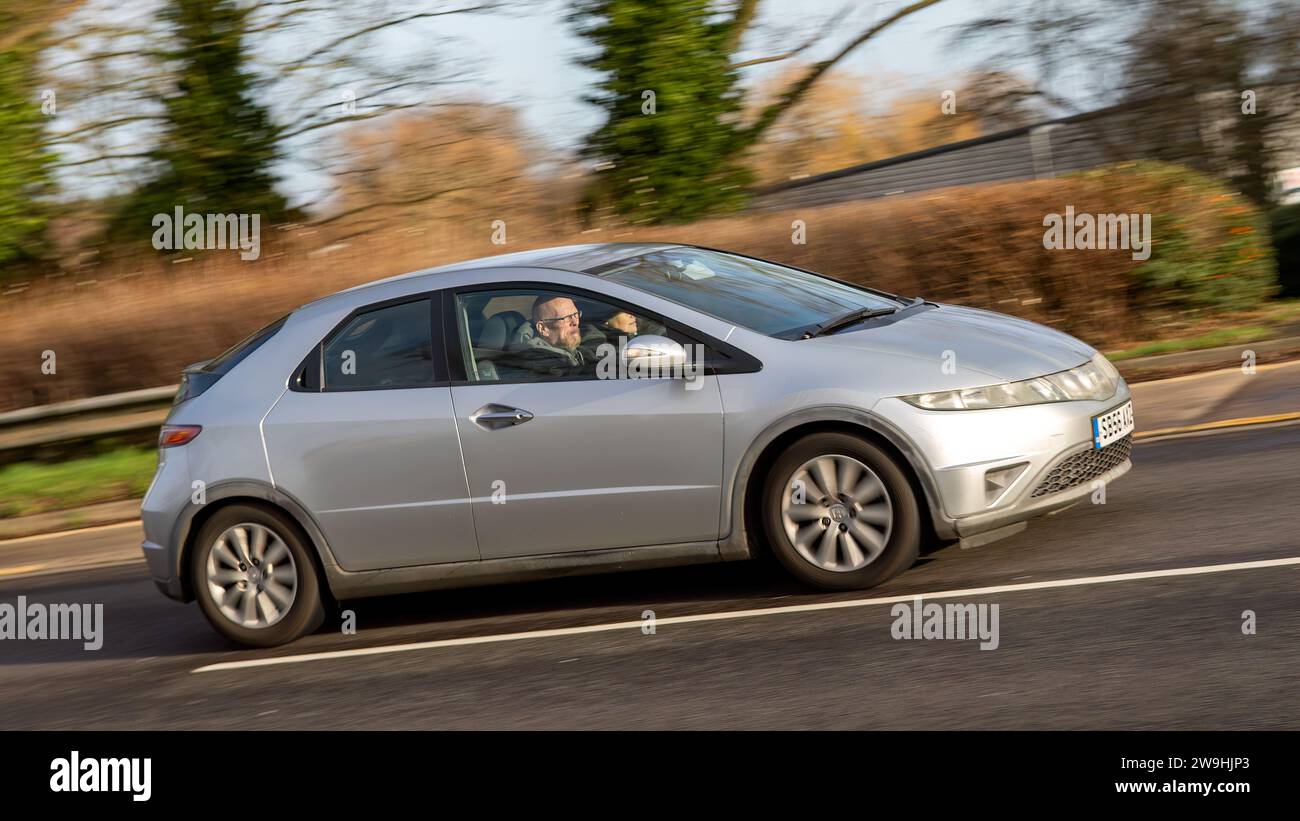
{"x": 492, "y": 417}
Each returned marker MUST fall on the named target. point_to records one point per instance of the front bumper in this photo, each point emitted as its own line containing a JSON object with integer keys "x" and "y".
{"x": 1033, "y": 507}
{"x": 972, "y": 455}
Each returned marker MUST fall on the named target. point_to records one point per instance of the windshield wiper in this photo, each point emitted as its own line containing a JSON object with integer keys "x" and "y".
{"x": 851, "y": 318}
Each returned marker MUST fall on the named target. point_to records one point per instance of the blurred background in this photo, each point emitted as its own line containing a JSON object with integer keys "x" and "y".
{"x": 916, "y": 147}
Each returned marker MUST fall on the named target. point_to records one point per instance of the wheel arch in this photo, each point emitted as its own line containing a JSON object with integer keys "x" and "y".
{"x": 768, "y": 445}
{"x": 257, "y": 494}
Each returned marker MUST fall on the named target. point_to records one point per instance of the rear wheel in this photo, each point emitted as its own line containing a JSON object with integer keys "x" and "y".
{"x": 839, "y": 513}
{"x": 254, "y": 579}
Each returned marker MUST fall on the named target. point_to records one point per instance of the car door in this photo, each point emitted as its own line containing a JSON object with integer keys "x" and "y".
{"x": 366, "y": 439}
{"x": 560, "y": 462}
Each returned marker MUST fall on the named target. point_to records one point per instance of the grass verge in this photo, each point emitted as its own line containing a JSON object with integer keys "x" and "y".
{"x": 125, "y": 472}
{"x": 1212, "y": 339}
{"x": 36, "y": 487}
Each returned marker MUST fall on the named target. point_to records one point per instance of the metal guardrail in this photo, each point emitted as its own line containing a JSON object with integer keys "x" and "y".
{"x": 115, "y": 401}
{"x": 59, "y": 425}
{"x": 137, "y": 411}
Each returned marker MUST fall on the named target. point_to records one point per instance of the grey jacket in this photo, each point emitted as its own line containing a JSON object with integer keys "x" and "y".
{"x": 529, "y": 351}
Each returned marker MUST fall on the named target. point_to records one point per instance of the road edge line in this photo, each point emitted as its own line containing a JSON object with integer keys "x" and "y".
{"x": 1221, "y": 424}
{"x": 745, "y": 614}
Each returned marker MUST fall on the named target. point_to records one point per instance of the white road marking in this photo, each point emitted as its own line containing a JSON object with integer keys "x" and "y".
{"x": 748, "y": 614}
{"x": 1235, "y": 369}
{"x": 37, "y": 570}
{"x": 20, "y": 570}
{"x": 1241, "y": 424}
{"x": 40, "y": 537}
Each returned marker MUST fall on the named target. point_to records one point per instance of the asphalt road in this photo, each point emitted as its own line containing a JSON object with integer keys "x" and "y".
{"x": 1151, "y": 651}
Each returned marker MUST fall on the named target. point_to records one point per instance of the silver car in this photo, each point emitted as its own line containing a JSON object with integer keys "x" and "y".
{"x": 611, "y": 407}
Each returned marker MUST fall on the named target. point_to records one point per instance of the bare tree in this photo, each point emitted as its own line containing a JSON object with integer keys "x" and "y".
{"x": 321, "y": 64}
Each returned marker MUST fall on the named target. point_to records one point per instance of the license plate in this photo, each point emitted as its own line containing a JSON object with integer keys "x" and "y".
{"x": 1112, "y": 425}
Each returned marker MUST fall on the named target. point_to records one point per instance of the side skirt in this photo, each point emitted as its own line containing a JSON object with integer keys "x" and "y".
{"x": 346, "y": 584}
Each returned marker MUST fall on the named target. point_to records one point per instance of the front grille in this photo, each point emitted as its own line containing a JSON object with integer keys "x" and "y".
{"x": 1085, "y": 466}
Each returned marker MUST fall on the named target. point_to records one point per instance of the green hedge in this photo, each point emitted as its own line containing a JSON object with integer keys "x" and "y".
{"x": 1210, "y": 249}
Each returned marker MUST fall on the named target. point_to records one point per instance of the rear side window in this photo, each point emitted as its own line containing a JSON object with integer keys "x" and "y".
{"x": 222, "y": 364}
{"x": 196, "y": 380}
{"x": 388, "y": 347}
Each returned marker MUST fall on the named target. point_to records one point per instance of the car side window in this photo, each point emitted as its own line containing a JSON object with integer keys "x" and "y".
{"x": 388, "y": 347}
{"x": 533, "y": 335}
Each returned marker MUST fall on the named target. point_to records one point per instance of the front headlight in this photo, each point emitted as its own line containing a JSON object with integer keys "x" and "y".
{"x": 1094, "y": 379}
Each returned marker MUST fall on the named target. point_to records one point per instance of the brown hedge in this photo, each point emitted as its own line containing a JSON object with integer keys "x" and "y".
{"x": 125, "y": 327}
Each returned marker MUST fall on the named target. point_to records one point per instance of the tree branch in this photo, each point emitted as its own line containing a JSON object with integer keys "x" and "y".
{"x": 776, "y": 58}
{"x": 350, "y": 118}
{"x": 769, "y": 115}
{"x": 104, "y": 158}
{"x": 431, "y": 195}
{"x": 102, "y": 126}
{"x": 739, "y": 24}
{"x": 328, "y": 47}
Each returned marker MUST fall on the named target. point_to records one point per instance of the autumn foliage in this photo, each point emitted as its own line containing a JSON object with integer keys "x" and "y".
{"x": 135, "y": 325}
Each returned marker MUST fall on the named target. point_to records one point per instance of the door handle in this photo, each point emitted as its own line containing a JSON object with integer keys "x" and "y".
{"x": 492, "y": 417}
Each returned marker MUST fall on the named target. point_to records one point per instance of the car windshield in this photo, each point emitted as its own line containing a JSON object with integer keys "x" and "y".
{"x": 762, "y": 296}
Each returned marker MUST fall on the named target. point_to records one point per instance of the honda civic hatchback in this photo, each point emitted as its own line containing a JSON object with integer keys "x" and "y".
{"x": 610, "y": 407}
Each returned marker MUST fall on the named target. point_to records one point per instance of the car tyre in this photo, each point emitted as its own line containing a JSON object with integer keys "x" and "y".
{"x": 839, "y": 513}
{"x": 254, "y": 577}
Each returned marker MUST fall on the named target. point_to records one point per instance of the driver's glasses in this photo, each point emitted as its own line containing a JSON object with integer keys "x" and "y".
{"x": 574, "y": 317}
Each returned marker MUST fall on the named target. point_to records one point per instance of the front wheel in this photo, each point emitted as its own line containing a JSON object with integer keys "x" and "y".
{"x": 254, "y": 579}
{"x": 839, "y": 513}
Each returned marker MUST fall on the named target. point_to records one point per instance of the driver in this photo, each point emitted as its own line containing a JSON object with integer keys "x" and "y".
{"x": 555, "y": 341}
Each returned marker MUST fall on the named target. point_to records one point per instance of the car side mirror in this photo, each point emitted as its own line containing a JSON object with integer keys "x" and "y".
{"x": 651, "y": 355}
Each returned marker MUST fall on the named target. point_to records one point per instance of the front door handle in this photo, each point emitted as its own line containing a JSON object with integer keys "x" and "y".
{"x": 492, "y": 417}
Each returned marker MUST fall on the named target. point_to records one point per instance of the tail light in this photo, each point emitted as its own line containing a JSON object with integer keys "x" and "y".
{"x": 176, "y": 435}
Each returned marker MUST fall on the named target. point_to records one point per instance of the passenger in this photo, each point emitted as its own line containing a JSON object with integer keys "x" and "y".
{"x": 627, "y": 325}
{"x": 622, "y": 323}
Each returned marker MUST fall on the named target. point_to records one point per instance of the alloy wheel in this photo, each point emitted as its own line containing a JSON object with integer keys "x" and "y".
{"x": 251, "y": 575}
{"x": 837, "y": 513}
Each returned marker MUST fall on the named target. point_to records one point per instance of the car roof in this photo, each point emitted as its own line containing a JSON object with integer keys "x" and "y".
{"x": 575, "y": 258}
